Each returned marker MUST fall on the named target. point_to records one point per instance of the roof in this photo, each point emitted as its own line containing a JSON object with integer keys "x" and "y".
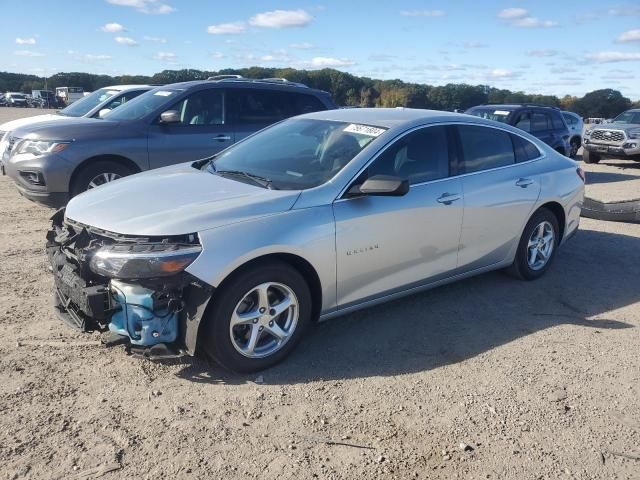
{"x": 387, "y": 117}
{"x": 273, "y": 84}
{"x": 121, "y": 88}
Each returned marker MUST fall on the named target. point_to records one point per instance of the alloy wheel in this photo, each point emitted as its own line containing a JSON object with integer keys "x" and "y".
{"x": 264, "y": 320}
{"x": 540, "y": 246}
{"x": 101, "y": 179}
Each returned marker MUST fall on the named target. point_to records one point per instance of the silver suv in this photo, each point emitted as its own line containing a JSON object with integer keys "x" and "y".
{"x": 312, "y": 218}
{"x": 53, "y": 161}
{"x": 618, "y": 139}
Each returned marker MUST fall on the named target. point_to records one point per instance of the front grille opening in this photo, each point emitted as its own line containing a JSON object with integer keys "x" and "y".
{"x": 608, "y": 136}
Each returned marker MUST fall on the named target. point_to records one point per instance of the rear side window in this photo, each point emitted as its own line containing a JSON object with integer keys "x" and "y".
{"x": 570, "y": 119}
{"x": 484, "y": 148}
{"x": 557, "y": 122}
{"x": 524, "y": 149}
{"x": 540, "y": 122}
{"x": 249, "y": 106}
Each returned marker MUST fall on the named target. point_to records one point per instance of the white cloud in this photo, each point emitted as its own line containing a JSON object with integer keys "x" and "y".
{"x": 422, "y": 13}
{"x": 625, "y": 11}
{"x": 155, "y": 7}
{"x": 474, "y": 44}
{"x": 26, "y": 41}
{"x": 629, "y": 36}
{"x": 112, "y": 28}
{"x": 233, "y": 28}
{"x": 511, "y": 13}
{"x": 28, "y": 53}
{"x": 519, "y": 17}
{"x": 542, "y": 53}
{"x": 218, "y": 55}
{"x": 154, "y": 39}
{"x": 301, "y": 46}
{"x": 128, "y": 41}
{"x": 610, "y": 57}
{"x": 90, "y": 57}
{"x": 501, "y": 74}
{"x": 166, "y": 57}
{"x": 331, "y": 62}
{"x": 281, "y": 19}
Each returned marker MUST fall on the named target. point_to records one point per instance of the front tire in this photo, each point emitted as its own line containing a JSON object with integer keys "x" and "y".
{"x": 575, "y": 146}
{"x": 537, "y": 246}
{"x": 257, "y": 317}
{"x": 590, "y": 157}
{"x": 98, "y": 173}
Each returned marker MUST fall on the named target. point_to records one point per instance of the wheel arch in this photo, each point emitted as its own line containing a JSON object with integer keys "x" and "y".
{"x": 120, "y": 159}
{"x": 558, "y": 210}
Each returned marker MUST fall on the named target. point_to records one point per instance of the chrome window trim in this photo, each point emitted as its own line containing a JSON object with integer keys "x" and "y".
{"x": 461, "y": 175}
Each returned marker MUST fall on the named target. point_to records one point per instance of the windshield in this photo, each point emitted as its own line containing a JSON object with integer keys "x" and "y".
{"x": 495, "y": 114}
{"x": 141, "y": 106}
{"x": 628, "y": 117}
{"x": 296, "y": 154}
{"x": 88, "y": 103}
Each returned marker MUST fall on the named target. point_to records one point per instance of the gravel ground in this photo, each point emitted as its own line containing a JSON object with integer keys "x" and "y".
{"x": 487, "y": 378}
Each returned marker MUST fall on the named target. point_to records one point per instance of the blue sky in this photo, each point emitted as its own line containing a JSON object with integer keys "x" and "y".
{"x": 543, "y": 46}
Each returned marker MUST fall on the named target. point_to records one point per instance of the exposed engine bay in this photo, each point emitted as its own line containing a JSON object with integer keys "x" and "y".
{"x": 131, "y": 286}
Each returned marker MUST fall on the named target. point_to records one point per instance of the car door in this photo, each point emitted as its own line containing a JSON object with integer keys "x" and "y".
{"x": 499, "y": 192}
{"x": 385, "y": 244}
{"x": 201, "y": 132}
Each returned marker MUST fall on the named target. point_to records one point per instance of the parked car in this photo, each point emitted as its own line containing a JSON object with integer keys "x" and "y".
{"x": 51, "y": 162}
{"x": 69, "y": 94}
{"x": 99, "y": 102}
{"x": 312, "y": 218}
{"x": 543, "y": 122}
{"x": 576, "y": 126}
{"x": 16, "y": 99}
{"x": 618, "y": 139}
{"x": 44, "y": 99}
{"x": 3, "y": 100}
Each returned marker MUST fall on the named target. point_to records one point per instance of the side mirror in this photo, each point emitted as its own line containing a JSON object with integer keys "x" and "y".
{"x": 382, "y": 185}
{"x": 103, "y": 112}
{"x": 170, "y": 116}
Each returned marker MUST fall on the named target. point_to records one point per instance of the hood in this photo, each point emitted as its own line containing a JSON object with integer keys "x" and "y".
{"x": 21, "y": 122}
{"x": 70, "y": 129}
{"x": 617, "y": 126}
{"x": 175, "y": 200}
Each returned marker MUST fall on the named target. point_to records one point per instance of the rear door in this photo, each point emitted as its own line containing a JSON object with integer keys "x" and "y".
{"x": 500, "y": 190}
{"x": 203, "y": 130}
{"x": 252, "y": 109}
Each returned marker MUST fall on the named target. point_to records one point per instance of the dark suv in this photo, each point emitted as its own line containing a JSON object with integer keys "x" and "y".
{"x": 543, "y": 122}
{"x": 51, "y": 162}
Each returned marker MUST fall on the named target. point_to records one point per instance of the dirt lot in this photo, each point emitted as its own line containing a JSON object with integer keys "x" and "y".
{"x": 538, "y": 381}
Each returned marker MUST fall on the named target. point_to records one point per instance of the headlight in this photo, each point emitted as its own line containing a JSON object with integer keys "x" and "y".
{"x": 40, "y": 147}
{"x": 143, "y": 260}
{"x": 588, "y": 131}
{"x": 634, "y": 133}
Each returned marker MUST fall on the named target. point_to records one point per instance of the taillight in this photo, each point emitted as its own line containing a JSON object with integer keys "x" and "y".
{"x": 581, "y": 174}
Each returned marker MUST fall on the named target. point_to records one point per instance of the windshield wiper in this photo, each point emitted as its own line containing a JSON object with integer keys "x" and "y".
{"x": 256, "y": 179}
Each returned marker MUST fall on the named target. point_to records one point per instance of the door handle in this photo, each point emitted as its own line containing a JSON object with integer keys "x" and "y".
{"x": 222, "y": 138}
{"x": 524, "y": 182}
{"x": 448, "y": 198}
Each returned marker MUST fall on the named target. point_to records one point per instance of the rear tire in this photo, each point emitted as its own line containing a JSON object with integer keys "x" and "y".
{"x": 237, "y": 313}
{"x": 534, "y": 254}
{"x": 97, "y": 173}
{"x": 575, "y": 146}
{"x": 590, "y": 157}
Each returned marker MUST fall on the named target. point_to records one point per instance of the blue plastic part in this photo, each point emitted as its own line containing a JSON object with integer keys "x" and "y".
{"x": 137, "y": 319}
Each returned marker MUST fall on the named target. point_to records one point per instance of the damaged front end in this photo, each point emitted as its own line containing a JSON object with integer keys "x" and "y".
{"x": 135, "y": 287}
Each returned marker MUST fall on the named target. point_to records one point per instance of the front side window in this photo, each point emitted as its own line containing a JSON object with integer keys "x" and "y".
{"x": 204, "y": 107}
{"x": 296, "y": 154}
{"x": 627, "y": 117}
{"x": 419, "y": 157}
{"x": 88, "y": 103}
{"x": 484, "y": 148}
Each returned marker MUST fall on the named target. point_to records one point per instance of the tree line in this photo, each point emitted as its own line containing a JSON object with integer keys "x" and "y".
{"x": 346, "y": 89}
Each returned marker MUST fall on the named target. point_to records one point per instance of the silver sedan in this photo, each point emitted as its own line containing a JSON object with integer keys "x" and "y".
{"x": 312, "y": 218}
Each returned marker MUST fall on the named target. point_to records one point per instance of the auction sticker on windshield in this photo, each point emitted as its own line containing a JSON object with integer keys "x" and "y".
{"x": 501, "y": 112}
{"x": 163, "y": 93}
{"x": 364, "y": 130}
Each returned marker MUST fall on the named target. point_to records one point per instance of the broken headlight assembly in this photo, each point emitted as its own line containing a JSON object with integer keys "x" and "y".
{"x": 136, "y": 261}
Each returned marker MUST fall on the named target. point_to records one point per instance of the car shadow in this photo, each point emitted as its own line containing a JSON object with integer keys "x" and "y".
{"x": 594, "y": 178}
{"x": 449, "y": 324}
